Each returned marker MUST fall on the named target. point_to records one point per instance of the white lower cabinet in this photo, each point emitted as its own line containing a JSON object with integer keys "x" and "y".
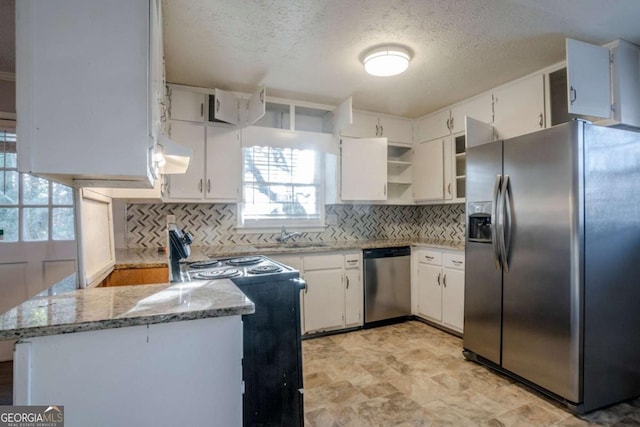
{"x": 333, "y": 299}
{"x": 439, "y": 276}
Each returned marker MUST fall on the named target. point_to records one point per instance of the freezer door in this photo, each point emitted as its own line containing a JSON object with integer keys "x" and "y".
{"x": 543, "y": 261}
{"x": 483, "y": 278}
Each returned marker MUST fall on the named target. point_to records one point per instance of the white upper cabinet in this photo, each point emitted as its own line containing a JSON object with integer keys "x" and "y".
{"x": 433, "y": 126}
{"x": 367, "y": 125}
{"x": 428, "y": 170}
{"x": 604, "y": 82}
{"x": 588, "y": 79}
{"x": 343, "y": 116}
{"x": 191, "y": 184}
{"x": 223, "y": 164}
{"x": 480, "y": 108}
{"x": 256, "y": 106}
{"x": 224, "y": 107}
{"x": 519, "y": 107}
{"x": 186, "y": 105}
{"x": 363, "y": 169}
{"x": 87, "y": 82}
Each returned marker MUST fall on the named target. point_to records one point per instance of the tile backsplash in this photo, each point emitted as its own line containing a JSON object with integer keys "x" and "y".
{"x": 215, "y": 224}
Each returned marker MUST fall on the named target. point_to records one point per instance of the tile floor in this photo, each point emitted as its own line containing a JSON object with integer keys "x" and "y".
{"x": 411, "y": 374}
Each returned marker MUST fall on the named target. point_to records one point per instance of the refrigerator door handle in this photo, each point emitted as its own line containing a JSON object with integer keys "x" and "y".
{"x": 494, "y": 222}
{"x": 505, "y": 223}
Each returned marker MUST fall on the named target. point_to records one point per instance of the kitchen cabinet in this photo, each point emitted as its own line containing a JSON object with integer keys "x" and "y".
{"x": 325, "y": 293}
{"x": 367, "y": 124}
{"x": 604, "y": 81}
{"x": 353, "y": 295}
{"x": 399, "y": 174}
{"x": 196, "y": 104}
{"x": 439, "y": 276}
{"x": 204, "y": 378}
{"x": 71, "y": 98}
{"x": 519, "y": 107}
{"x": 432, "y": 170}
{"x": 479, "y": 108}
{"x": 363, "y": 167}
{"x": 214, "y": 173}
{"x": 186, "y": 105}
{"x": 433, "y": 126}
{"x": 334, "y": 297}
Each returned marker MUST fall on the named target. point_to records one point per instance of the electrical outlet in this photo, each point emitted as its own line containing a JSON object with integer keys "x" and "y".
{"x": 462, "y": 219}
{"x": 332, "y": 219}
{"x": 171, "y": 219}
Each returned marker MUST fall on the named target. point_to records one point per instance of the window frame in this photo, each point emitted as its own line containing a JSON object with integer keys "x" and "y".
{"x": 266, "y": 225}
{"x": 21, "y": 206}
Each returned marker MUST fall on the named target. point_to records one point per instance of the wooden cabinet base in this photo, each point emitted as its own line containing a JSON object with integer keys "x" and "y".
{"x": 136, "y": 276}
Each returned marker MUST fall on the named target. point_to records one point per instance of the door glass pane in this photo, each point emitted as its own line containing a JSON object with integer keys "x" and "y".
{"x": 62, "y": 194}
{"x": 35, "y": 190}
{"x": 8, "y": 188}
{"x": 62, "y": 224}
{"x": 8, "y": 160}
{"x": 9, "y": 224}
{"x": 35, "y": 224}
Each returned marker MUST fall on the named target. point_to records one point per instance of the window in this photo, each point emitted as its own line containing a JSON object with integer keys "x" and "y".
{"x": 281, "y": 186}
{"x": 31, "y": 208}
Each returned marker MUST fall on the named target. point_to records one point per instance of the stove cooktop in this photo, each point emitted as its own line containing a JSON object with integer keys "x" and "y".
{"x": 241, "y": 269}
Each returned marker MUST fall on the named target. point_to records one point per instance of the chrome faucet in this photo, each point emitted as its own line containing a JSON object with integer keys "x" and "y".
{"x": 284, "y": 236}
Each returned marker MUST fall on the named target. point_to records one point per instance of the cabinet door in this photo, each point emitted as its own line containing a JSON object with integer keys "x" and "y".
{"x": 396, "y": 130}
{"x": 365, "y": 125}
{"x": 519, "y": 108}
{"x": 433, "y": 126}
{"x": 363, "y": 168}
{"x": 225, "y": 107}
{"x": 256, "y": 106}
{"x": 353, "y": 297}
{"x": 343, "y": 116}
{"x": 430, "y": 291}
{"x": 588, "y": 79}
{"x": 186, "y": 105}
{"x": 479, "y": 108}
{"x": 448, "y": 166}
{"x": 428, "y": 170}
{"x": 191, "y": 184}
{"x": 453, "y": 299}
{"x": 323, "y": 300}
{"x": 224, "y": 164}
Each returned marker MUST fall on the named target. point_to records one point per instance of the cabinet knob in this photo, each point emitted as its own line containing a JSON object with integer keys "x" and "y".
{"x": 347, "y": 282}
{"x": 381, "y": 130}
{"x": 201, "y": 109}
{"x": 540, "y": 122}
{"x": 444, "y": 280}
{"x": 209, "y": 185}
{"x": 439, "y": 274}
{"x": 449, "y": 124}
{"x": 200, "y": 185}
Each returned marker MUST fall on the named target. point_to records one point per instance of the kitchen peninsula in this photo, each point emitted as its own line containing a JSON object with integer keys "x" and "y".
{"x": 137, "y": 355}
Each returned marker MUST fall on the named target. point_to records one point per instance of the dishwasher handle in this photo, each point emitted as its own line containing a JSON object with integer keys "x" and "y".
{"x": 387, "y": 252}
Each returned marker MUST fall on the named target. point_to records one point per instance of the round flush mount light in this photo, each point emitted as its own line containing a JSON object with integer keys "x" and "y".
{"x": 386, "y": 61}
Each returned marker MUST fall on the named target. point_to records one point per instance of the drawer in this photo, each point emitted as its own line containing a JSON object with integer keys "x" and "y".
{"x": 323, "y": 262}
{"x": 453, "y": 261}
{"x": 430, "y": 257}
{"x": 352, "y": 261}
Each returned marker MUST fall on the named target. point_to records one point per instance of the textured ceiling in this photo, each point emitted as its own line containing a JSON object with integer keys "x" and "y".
{"x": 311, "y": 49}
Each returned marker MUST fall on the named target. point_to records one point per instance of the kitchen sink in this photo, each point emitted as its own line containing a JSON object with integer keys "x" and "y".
{"x": 295, "y": 245}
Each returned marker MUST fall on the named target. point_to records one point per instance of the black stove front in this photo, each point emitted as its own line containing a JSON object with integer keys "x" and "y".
{"x": 272, "y": 343}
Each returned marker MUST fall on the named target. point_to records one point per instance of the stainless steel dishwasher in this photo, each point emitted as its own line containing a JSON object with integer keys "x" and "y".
{"x": 387, "y": 285}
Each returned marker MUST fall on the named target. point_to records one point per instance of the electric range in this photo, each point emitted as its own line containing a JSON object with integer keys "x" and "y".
{"x": 272, "y": 347}
{"x": 241, "y": 270}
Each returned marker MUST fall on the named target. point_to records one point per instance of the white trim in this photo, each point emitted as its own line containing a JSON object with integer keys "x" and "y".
{"x": 9, "y": 118}
{"x": 9, "y": 77}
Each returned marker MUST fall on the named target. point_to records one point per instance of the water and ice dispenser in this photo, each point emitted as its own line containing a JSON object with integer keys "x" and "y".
{"x": 479, "y": 222}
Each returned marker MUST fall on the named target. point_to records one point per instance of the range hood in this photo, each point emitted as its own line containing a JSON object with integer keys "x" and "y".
{"x": 171, "y": 157}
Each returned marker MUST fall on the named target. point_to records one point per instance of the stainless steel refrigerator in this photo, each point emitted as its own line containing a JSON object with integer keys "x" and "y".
{"x": 552, "y": 292}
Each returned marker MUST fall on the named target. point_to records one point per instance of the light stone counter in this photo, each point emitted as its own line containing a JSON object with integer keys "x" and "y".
{"x": 120, "y": 306}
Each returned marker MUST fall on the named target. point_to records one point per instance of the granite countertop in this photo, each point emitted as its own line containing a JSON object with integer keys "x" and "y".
{"x": 139, "y": 258}
{"x": 115, "y": 307}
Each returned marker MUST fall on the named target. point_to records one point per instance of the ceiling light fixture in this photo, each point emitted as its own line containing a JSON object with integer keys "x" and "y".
{"x": 386, "y": 61}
